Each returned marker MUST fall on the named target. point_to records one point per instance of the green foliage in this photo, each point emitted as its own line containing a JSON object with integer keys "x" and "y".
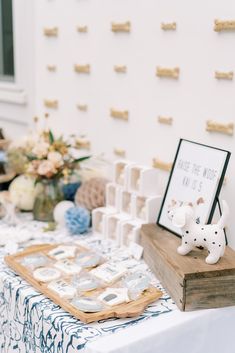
{"x": 78, "y": 160}
{"x": 51, "y": 137}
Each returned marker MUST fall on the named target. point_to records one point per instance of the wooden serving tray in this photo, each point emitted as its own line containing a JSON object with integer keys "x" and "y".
{"x": 131, "y": 309}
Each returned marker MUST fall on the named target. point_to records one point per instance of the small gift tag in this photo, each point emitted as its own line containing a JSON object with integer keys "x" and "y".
{"x": 68, "y": 267}
{"x": 114, "y": 296}
{"x": 63, "y": 289}
{"x": 62, "y": 252}
{"x": 108, "y": 273}
{"x": 46, "y": 274}
{"x": 87, "y": 305}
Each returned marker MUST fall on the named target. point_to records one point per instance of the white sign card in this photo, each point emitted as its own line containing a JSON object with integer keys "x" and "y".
{"x": 198, "y": 171}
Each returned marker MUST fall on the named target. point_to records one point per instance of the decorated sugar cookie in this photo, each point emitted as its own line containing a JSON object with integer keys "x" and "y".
{"x": 63, "y": 252}
{"x": 136, "y": 283}
{"x": 68, "y": 267}
{"x": 85, "y": 283}
{"x": 63, "y": 289}
{"x": 114, "y": 296}
{"x": 46, "y": 274}
{"x": 87, "y": 305}
{"x": 34, "y": 261}
{"x": 88, "y": 259}
{"x": 108, "y": 272}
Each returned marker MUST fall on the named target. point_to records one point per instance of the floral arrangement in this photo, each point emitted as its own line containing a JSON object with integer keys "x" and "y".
{"x": 45, "y": 156}
{"x": 52, "y": 162}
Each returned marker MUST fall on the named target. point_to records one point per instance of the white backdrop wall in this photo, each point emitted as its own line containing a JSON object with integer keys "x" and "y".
{"x": 191, "y": 100}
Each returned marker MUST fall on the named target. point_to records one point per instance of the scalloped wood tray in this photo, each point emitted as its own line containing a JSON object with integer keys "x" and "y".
{"x": 131, "y": 309}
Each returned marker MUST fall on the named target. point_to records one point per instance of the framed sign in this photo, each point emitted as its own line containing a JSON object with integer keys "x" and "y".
{"x": 197, "y": 173}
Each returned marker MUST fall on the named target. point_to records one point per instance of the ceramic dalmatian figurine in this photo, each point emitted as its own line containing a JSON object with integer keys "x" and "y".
{"x": 210, "y": 236}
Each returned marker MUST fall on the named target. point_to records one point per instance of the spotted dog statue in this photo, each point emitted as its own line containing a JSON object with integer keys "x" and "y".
{"x": 210, "y": 236}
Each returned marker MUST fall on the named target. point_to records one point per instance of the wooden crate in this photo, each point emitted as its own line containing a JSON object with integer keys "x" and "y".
{"x": 192, "y": 283}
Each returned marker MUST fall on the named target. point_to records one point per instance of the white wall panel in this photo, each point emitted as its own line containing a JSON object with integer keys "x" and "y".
{"x": 196, "y": 97}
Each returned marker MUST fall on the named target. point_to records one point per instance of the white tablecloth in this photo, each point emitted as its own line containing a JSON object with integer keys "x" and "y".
{"x": 204, "y": 331}
{"x": 31, "y": 323}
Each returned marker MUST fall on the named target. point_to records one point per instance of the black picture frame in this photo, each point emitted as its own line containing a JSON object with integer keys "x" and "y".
{"x": 215, "y": 196}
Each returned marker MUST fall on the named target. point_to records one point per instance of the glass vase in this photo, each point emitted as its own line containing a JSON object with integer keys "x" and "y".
{"x": 46, "y": 200}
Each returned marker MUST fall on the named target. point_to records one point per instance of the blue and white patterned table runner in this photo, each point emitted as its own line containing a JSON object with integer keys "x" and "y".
{"x": 32, "y": 323}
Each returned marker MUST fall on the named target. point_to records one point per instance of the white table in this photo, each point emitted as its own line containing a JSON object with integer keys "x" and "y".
{"x": 31, "y": 323}
{"x": 204, "y": 331}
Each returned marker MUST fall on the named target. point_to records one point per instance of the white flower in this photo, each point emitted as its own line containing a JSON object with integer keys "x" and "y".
{"x": 46, "y": 168}
{"x": 33, "y": 166}
{"x": 41, "y": 149}
{"x": 30, "y": 169}
{"x": 56, "y": 159}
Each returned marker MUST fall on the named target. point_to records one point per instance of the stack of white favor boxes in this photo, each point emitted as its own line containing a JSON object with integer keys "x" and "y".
{"x": 132, "y": 199}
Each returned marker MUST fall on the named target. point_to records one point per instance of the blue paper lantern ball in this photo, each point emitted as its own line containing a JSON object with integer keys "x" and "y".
{"x": 77, "y": 220}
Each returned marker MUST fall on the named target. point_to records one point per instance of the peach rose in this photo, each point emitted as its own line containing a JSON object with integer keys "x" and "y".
{"x": 41, "y": 149}
{"x": 33, "y": 166}
{"x": 56, "y": 159}
{"x": 46, "y": 168}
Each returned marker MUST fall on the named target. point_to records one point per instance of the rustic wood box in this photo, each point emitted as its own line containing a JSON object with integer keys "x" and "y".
{"x": 191, "y": 282}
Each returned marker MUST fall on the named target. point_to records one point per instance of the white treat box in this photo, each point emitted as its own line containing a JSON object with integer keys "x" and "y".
{"x": 121, "y": 172}
{"x": 130, "y": 232}
{"x": 98, "y": 219}
{"x": 143, "y": 180}
{"x": 113, "y": 226}
{"x": 113, "y": 196}
{"x": 126, "y": 204}
{"x": 146, "y": 209}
